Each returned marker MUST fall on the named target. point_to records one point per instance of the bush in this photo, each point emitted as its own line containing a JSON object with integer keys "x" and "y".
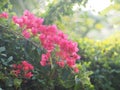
{"x": 105, "y": 61}
{"x": 14, "y": 50}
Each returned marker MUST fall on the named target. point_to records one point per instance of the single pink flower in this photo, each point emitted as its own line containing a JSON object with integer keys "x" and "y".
{"x": 34, "y": 31}
{"x": 70, "y": 63}
{"x": 24, "y": 63}
{"x": 26, "y": 34}
{"x": 61, "y": 63}
{"x": 27, "y": 66}
{"x": 43, "y": 63}
{"x": 4, "y": 15}
{"x": 19, "y": 66}
{"x": 28, "y": 75}
{"x": 31, "y": 67}
{"x": 76, "y": 70}
{"x": 16, "y": 72}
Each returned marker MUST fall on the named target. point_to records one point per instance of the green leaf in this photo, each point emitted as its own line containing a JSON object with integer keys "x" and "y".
{"x": 10, "y": 59}
{"x": 39, "y": 51}
{"x": 2, "y": 49}
{"x": 1, "y": 89}
{"x": 4, "y": 55}
{"x": 9, "y": 82}
{"x": 17, "y": 82}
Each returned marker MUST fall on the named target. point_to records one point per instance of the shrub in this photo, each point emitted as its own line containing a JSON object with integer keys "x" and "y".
{"x": 14, "y": 49}
{"x": 105, "y": 61}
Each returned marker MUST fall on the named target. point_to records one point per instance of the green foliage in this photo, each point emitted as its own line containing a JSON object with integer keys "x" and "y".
{"x": 60, "y": 8}
{"x": 105, "y": 62}
{"x": 20, "y": 5}
{"x": 82, "y": 79}
{"x": 80, "y": 23}
{"x": 5, "y": 5}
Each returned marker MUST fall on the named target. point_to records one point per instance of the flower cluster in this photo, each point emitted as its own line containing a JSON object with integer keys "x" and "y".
{"x": 54, "y": 41}
{"x": 4, "y": 15}
{"x": 23, "y": 69}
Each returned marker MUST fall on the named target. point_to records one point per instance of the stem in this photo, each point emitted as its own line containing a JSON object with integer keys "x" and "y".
{"x": 52, "y": 69}
{"x": 51, "y": 63}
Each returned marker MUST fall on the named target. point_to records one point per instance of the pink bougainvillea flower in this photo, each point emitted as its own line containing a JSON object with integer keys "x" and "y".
{"x": 34, "y": 31}
{"x": 70, "y": 63}
{"x": 24, "y": 63}
{"x": 26, "y": 34}
{"x": 23, "y": 69}
{"x": 76, "y": 70}
{"x": 44, "y": 59}
{"x": 28, "y": 75}
{"x": 4, "y": 15}
{"x": 61, "y": 63}
{"x": 27, "y": 66}
{"x": 31, "y": 67}
{"x": 43, "y": 63}
{"x": 51, "y": 39}
{"x": 19, "y": 66}
{"x": 16, "y": 72}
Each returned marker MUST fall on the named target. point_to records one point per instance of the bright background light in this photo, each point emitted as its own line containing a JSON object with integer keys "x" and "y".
{"x": 97, "y": 5}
